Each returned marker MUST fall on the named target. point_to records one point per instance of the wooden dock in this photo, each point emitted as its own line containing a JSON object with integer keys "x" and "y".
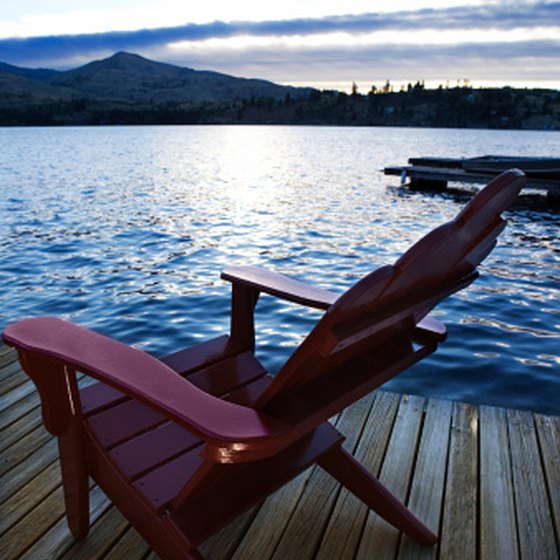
{"x": 425, "y": 176}
{"x": 486, "y": 479}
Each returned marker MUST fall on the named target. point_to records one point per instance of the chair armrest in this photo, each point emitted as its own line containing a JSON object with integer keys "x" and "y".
{"x": 262, "y": 280}
{"x": 233, "y": 431}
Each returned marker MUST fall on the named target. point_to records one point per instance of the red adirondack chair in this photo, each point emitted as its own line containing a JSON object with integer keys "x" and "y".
{"x": 184, "y": 444}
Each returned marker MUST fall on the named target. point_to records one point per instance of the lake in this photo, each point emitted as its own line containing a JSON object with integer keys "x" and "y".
{"x": 126, "y": 229}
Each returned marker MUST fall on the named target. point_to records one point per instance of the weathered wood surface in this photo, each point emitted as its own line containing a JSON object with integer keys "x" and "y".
{"x": 486, "y": 479}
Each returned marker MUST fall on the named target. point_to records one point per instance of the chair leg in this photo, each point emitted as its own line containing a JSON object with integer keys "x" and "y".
{"x": 74, "y": 481}
{"x": 350, "y": 473}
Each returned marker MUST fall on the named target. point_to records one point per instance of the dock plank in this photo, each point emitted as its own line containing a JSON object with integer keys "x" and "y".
{"x": 20, "y": 427}
{"x": 275, "y": 515}
{"x": 28, "y": 469}
{"x": 458, "y": 535}
{"x": 225, "y": 544}
{"x": 23, "y": 448}
{"x": 426, "y": 494}
{"x": 130, "y": 546}
{"x": 19, "y": 392}
{"x": 58, "y": 540}
{"x": 381, "y": 540}
{"x": 11, "y": 377}
{"x": 103, "y": 535}
{"x": 498, "y": 533}
{"x": 548, "y": 429}
{"x": 305, "y": 527}
{"x": 534, "y": 523}
{"x": 24, "y": 500}
{"x": 18, "y": 409}
{"x": 7, "y": 356}
{"x": 35, "y": 524}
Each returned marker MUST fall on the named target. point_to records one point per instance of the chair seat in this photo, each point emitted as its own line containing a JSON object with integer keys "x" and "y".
{"x": 148, "y": 450}
{"x": 158, "y": 457}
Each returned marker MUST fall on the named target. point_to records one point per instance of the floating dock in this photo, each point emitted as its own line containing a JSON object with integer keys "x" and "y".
{"x": 486, "y": 479}
{"x": 427, "y": 173}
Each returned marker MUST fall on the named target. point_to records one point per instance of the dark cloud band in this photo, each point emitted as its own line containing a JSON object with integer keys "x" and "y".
{"x": 504, "y": 15}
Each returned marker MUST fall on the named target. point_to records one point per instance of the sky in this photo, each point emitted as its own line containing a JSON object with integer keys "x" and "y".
{"x": 326, "y": 44}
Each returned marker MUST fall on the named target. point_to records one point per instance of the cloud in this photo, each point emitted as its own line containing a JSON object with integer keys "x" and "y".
{"x": 276, "y": 60}
{"x": 533, "y": 61}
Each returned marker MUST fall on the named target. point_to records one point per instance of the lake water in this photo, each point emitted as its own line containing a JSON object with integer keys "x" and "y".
{"x": 126, "y": 229}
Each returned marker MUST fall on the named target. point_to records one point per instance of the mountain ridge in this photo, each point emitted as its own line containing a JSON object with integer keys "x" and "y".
{"x": 128, "y": 77}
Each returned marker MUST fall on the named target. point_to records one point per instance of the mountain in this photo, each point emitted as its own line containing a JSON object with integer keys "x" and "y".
{"x": 130, "y": 78}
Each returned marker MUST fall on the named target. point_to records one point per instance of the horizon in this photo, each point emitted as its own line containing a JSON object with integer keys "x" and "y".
{"x": 395, "y": 88}
{"x": 485, "y": 43}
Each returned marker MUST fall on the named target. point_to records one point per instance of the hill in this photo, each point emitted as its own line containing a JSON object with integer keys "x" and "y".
{"x": 121, "y": 83}
{"x": 129, "y": 89}
{"x": 132, "y": 78}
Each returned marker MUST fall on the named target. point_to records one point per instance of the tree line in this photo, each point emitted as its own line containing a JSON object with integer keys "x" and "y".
{"x": 414, "y": 105}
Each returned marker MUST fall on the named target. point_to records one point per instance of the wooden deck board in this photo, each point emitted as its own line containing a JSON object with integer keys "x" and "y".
{"x": 130, "y": 546}
{"x": 379, "y": 539}
{"x": 426, "y": 494}
{"x": 535, "y": 527}
{"x": 458, "y": 530}
{"x": 487, "y": 479}
{"x": 548, "y": 429}
{"x": 19, "y": 428}
{"x": 497, "y": 508}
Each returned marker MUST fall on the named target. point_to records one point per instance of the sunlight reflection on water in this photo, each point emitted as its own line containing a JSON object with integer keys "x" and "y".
{"x": 126, "y": 230}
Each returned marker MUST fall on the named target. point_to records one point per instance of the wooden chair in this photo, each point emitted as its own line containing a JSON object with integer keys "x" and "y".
{"x": 184, "y": 444}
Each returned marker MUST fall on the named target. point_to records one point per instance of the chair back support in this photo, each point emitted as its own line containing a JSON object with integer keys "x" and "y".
{"x": 389, "y": 303}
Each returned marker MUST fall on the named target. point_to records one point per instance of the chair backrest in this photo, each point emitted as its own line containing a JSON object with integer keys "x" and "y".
{"x": 392, "y": 300}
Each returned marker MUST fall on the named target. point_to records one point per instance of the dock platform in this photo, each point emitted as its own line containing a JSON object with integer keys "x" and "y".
{"x": 486, "y": 479}
{"x": 436, "y": 173}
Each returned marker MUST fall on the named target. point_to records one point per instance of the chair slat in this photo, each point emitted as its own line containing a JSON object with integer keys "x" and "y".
{"x": 98, "y": 397}
{"x": 161, "y": 485}
{"x": 228, "y": 374}
{"x": 143, "y": 453}
{"x": 206, "y": 353}
{"x": 123, "y": 422}
{"x": 164, "y": 442}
